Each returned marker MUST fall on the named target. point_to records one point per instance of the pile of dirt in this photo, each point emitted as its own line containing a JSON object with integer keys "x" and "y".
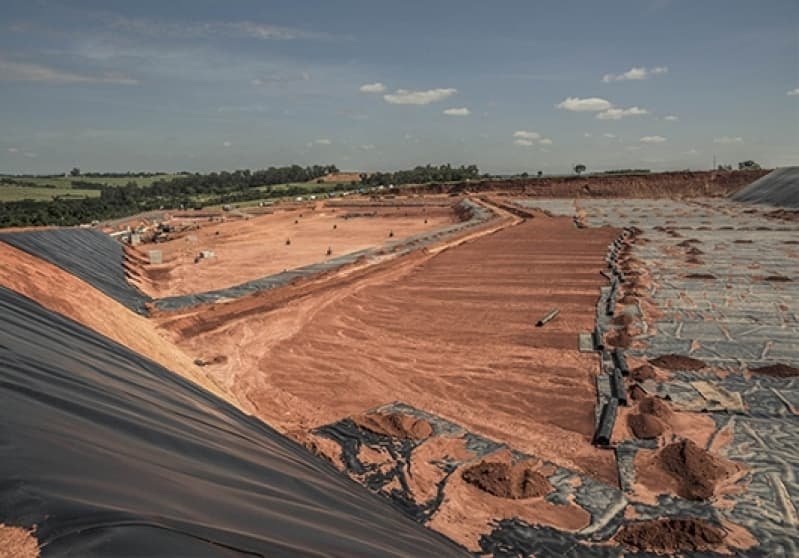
{"x": 677, "y": 362}
{"x": 698, "y": 471}
{"x": 700, "y": 276}
{"x": 689, "y": 242}
{"x": 624, "y": 319}
{"x": 778, "y": 279}
{"x": 646, "y": 427}
{"x": 777, "y": 370}
{"x": 395, "y": 425}
{"x": 670, "y": 535}
{"x": 652, "y": 418}
{"x": 504, "y": 480}
{"x": 693, "y": 251}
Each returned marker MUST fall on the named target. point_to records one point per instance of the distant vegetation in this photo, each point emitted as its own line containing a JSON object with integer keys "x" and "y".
{"x": 625, "y": 171}
{"x": 422, "y": 175}
{"x": 86, "y": 197}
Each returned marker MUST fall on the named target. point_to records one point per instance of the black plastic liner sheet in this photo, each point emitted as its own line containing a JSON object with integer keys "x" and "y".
{"x": 109, "y": 454}
{"x": 86, "y": 253}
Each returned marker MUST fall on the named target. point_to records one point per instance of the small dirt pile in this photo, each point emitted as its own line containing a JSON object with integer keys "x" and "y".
{"x": 677, "y": 362}
{"x": 778, "y": 279}
{"x": 652, "y": 418}
{"x": 505, "y": 480}
{"x": 700, "y": 276}
{"x": 698, "y": 471}
{"x": 776, "y": 370}
{"x": 670, "y": 535}
{"x": 395, "y": 425}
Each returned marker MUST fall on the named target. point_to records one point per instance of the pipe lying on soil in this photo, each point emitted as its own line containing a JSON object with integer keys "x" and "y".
{"x": 548, "y": 318}
{"x": 620, "y": 361}
{"x": 617, "y": 386}
{"x": 607, "y": 420}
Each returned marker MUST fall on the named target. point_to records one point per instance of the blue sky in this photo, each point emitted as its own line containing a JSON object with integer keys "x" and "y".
{"x": 509, "y": 85}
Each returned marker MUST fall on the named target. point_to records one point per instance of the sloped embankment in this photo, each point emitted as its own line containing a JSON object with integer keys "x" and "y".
{"x": 108, "y": 453}
{"x": 779, "y": 188}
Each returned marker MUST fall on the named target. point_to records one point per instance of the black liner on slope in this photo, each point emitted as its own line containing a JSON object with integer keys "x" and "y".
{"x": 779, "y": 188}
{"x": 110, "y": 454}
{"x": 86, "y": 253}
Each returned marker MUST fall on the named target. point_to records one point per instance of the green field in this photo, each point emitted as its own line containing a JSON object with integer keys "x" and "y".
{"x": 66, "y": 181}
{"x": 10, "y": 193}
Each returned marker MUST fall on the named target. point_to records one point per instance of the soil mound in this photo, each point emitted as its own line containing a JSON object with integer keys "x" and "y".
{"x": 620, "y": 338}
{"x": 646, "y": 427}
{"x": 693, "y": 251}
{"x": 700, "y": 276}
{"x": 698, "y": 471}
{"x": 656, "y": 407}
{"x": 508, "y": 481}
{"x": 778, "y": 279}
{"x": 777, "y": 370}
{"x": 396, "y": 425}
{"x": 624, "y": 319}
{"x": 670, "y": 535}
{"x": 677, "y": 362}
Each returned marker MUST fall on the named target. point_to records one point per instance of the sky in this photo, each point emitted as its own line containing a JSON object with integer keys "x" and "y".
{"x": 370, "y": 85}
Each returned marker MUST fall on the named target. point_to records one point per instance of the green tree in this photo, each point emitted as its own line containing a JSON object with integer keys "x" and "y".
{"x": 74, "y": 172}
{"x": 579, "y": 168}
{"x": 748, "y": 165}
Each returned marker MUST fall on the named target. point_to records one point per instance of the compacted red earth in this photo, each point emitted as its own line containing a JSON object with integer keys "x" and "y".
{"x": 452, "y": 334}
{"x": 670, "y": 535}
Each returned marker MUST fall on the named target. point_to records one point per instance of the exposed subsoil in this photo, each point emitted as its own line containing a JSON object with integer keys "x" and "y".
{"x": 646, "y": 427}
{"x": 61, "y": 292}
{"x": 670, "y": 535}
{"x": 17, "y": 543}
{"x": 697, "y": 470}
{"x": 776, "y": 370}
{"x": 247, "y": 249}
{"x": 677, "y": 362}
{"x": 508, "y": 480}
{"x": 451, "y": 334}
{"x": 397, "y": 425}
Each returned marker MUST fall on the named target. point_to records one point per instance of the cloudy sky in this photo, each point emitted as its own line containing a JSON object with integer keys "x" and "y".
{"x": 371, "y": 84}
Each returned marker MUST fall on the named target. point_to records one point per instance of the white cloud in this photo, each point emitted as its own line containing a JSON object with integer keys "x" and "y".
{"x": 322, "y": 141}
{"x": 652, "y": 139}
{"x": 409, "y": 97}
{"x": 367, "y": 147}
{"x": 459, "y": 111}
{"x": 635, "y": 73}
{"x": 726, "y": 140}
{"x": 633, "y": 147}
{"x": 671, "y": 118}
{"x": 526, "y": 138}
{"x": 619, "y": 113}
{"x": 793, "y": 92}
{"x": 691, "y": 151}
{"x": 373, "y": 88}
{"x": 20, "y": 71}
{"x": 586, "y": 134}
{"x": 590, "y": 104}
{"x": 227, "y": 143}
{"x": 13, "y": 150}
{"x": 30, "y": 155}
{"x": 611, "y": 136}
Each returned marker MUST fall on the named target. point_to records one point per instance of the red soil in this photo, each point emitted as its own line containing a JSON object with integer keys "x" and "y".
{"x": 396, "y": 425}
{"x": 678, "y": 362}
{"x": 451, "y": 334}
{"x": 698, "y": 471}
{"x": 249, "y": 249}
{"x": 777, "y": 370}
{"x": 506, "y": 480}
{"x": 17, "y": 543}
{"x": 670, "y": 535}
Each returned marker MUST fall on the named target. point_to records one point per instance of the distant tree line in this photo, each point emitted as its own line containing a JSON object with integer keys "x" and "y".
{"x": 422, "y": 175}
{"x": 118, "y": 201}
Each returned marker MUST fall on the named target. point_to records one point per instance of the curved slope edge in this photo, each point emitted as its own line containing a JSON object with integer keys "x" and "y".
{"x": 108, "y": 453}
{"x": 86, "y": 253}
{"x": 780, "y": 188}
